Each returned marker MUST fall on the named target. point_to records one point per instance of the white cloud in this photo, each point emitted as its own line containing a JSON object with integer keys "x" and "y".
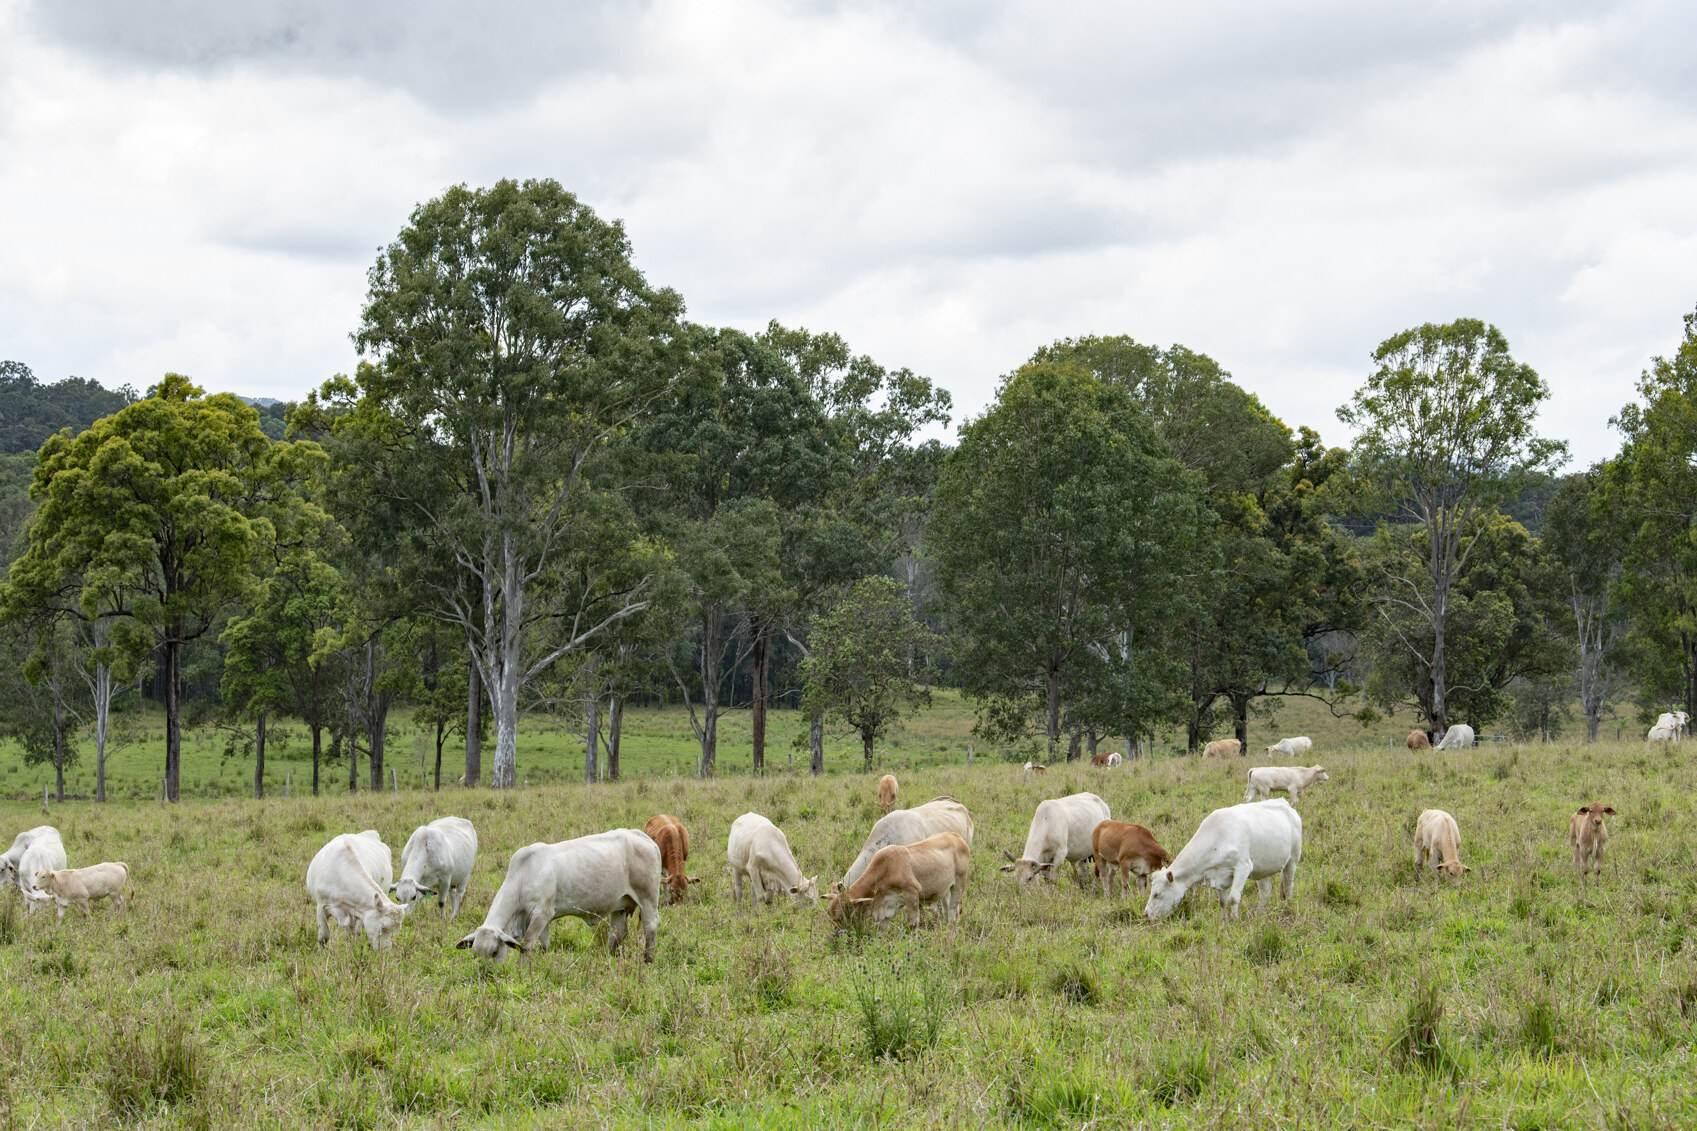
{"x": 197, "y": 186}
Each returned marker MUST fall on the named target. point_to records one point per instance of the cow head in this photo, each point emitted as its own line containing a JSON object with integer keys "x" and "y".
{"x": 806, "y": 892}
{"x": 1320, "y": 773}
{"x": 1454, "y": 868}
{"x": 1164, "y": 893}
{"x": 410, "y": 891}
{"x": 491, "y": 943}
{"x": 1028, "y": 871}
{"x": 8, "y": 870}
{"x": 1592, "y": 822}
{"x": 383, "y": 920}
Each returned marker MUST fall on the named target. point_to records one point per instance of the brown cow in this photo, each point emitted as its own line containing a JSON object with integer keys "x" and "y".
{"x": 1129, "y": 848}
{"x": 1418, "y": 740}
{"x": 669, "y": 833}
{"x": 887, "y": 792}
{"x": 930, "y": 871}
{"x": 1223, "y": 748}
{"x": 1587, "y": 833}
{"x": 1106, "y": 758}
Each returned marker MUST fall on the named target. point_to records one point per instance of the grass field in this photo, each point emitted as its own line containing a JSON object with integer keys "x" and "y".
{"x": 1515, "y": 998}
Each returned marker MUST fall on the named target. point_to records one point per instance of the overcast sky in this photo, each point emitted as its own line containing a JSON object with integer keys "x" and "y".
{"x": 200, "y": 185}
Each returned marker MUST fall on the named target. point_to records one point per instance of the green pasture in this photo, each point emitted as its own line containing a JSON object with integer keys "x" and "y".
{"x": 1516, "y": 998}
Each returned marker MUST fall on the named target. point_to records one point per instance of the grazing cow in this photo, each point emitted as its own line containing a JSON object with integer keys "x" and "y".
{"x": 669, "y": 834}
{"x": 33, "y": 851}
{"x": 347, "y": 882}
{"x": 602, "y": 876}
{"x": 1418, "y": 740}
{"x": 1662, "y": 733}
{"x": 1223, "y": 748}
{"x": 930, "y": 872}
{"x": 1106, "y": 759}
{"x": 1587, "y": 833}
{"x": 1264, "y": 780}
{"x": 909, "y": 826}
{"x": 1436, "y": 838}
{"x": 887, "y": 792}
{"x": 75, "y": 887}
{"x": 437, "y": 860}
{"x": 1676, "y": 721}
{"x": 1060, "y": 832}
{"x": 1291, "y": 747}
{"x": 758, "y": 854}
{"x": 1129, "y": 849}
{"x": 1034, "y": 768}
{"x": 1253, "y": 841}
{"x": 1457, "y": 737}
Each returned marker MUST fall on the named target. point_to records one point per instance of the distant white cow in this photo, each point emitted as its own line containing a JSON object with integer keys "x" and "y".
{"x": 910, "y": 826}
{"x": 1060, "y": 833}
{"x": 33, "y": 851}
{"x": 347, "y": 882}
{"x": 437, "y": 860}
{"x": 758, "y": 855}
{"x": 1676, "y": 721}
{"x": 1253, "y": 841}
{"x": 602, "y": 876}
{"x": 1457, "y": 737}
{"x": 1660, "y": 733}
{"x": 1264, "y": 780}
{"x": 75, "y": 887}
{"x": 1291, "y": 747}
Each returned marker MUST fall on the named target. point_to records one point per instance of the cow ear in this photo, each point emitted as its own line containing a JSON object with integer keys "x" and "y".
{"x": 465, "y": 942}
{"x": 692, "y": 879}
{"x": 377, "y": 899}
{"x": 1169, "y": 875}
{"x": 1609, "y": 809}
{"x": 1007, "y": 867}
{"x": 862, "y": 899}
{"x": 1584, "y": 808}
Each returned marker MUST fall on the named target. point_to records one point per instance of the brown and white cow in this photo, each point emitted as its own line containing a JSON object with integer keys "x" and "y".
{"x": 930, "y": 872}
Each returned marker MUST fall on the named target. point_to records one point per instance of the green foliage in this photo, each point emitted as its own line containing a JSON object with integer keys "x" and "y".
{"x": 1062, "y": 536}
{"x": 30, "y": 412}
{"x": 868, "y": 661}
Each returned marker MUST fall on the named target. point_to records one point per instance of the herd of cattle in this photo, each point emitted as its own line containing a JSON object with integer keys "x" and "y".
{"x": 912, "y": 859}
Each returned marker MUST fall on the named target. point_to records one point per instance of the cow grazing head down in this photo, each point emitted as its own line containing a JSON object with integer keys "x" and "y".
{"x": 1028, "y": 871}
{"x": 1164, "y": 894}
{"x": 487, "y": 942}
{"x": 806, "y": 892}
{"x": 410, "y": 891}
{"x": 383, "y": 920}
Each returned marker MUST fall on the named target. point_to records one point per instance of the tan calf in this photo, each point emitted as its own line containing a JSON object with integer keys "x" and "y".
{"x": 78, "y": 886}
{"x": 1129, "y": 849}
{"x": 932, "y": 871}
{"x": 672, "y": 837}
{"x": 1418, "y": 740}
{"x": 887, "y": 789}
{"x": 1438, "y": 839}
{"x": 1587, "y": 832}
{"x": 1223, "y": 748}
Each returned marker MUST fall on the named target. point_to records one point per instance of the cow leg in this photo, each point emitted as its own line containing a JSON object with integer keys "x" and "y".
{"x": 59, "y": 904}
{"x": 757, "y": 890}
{"x": 619, "y": 923}
{"x": 456, "y": 897}
{"x": 650, "y": 913}
{"x": 323, "y": 927}
{"x": 1234, "y": 894}
{"x": 1266, "y": 887}
{"x": 1078, "y": 873}
{"x": 736, "y": 885}
{"x": 1287, "y": 880}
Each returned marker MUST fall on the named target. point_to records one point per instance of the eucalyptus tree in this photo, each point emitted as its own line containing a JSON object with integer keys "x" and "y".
{"x": 512, "y": 342}
{"x": 1650, "y": 500}
{"x": 1585, "y": 541}
{"x": 158, "y": 518}
{"x": 1061, "y": 535}
{"x": 1445, "y": 431}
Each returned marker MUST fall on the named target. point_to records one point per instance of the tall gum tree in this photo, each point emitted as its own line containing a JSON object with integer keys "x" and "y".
{"x": 158, "y": 518}
{"x": 1445, "y": 432}
{"x": 513, "y": 341}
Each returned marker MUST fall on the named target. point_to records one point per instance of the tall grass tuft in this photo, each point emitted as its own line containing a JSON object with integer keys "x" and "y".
{"x": 1417, "y": 1041}
{"x": 1267, "y": 947}
{"x": 1077, "y": 984}
{"x": 1540, "y": 1025}
{"x": 8, "y": 922}
{"x": 151, "y": 1066}
{"x": 1181, "y": 1075}
{"x": 896, "y": 1023}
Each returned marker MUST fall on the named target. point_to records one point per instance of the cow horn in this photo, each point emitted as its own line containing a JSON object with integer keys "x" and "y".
{"x": 1009, "y": 856}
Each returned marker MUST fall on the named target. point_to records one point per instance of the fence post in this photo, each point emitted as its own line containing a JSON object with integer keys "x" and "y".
{"x": 288, "y": 780}
{"x": 394, "y": 786}
{"x": 44, "y": 798}
{"x": 969, "y": 753}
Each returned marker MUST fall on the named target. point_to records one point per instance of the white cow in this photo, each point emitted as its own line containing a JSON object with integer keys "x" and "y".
{"x": 437, "y": 860}
{"x": 1457, "y": 737}
{"x": 347, "y": 882}
{"x": 1253, "y": 841}
{"x": 76, "y": 887}
{"x": 910, "y": 826}
{"x": 1263, "y": 780}
{"x": 1676, "y": 721}
{"x": 1291, "y": 747}
{"x": 758, "y": 853}
{"x": 602, "y": 876}
{"x": 1661, "y": 733}
{"x": 1060, "y": 832}
{"x": 33, "y": 851}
